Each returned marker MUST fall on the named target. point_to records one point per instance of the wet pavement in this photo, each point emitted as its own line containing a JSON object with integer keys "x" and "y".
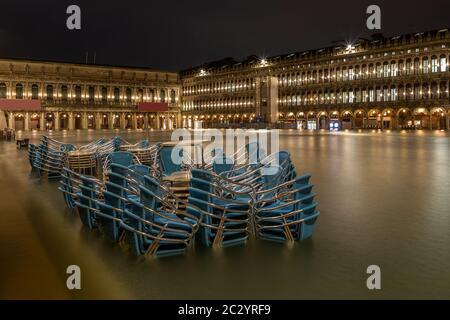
{"x": 383, "y": 197}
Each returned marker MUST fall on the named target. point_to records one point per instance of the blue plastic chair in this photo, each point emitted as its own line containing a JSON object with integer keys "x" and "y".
{"x": 225, "y": 219}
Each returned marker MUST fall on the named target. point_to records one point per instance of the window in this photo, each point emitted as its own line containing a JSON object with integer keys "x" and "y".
{"x": 351, "y": 97}
{"x": 350, "y": 74}
{"x": 172, "y": 96}
{"x": 385, "y": 94}
{"x": 162, "y": 96}
{"x": 104, "y": 95}
{"x": 91, "y": 94}
{"x": 434, "y": 64}
{"x": 425, "y": 65}
{"x": 385, "y": 70}
{"x": 443, "y": 64}
{"x": 371, "y": 95}
{"x": 34, "y": 92}
{"x": 409, "y": 67}
{"x": 140, "y": 95}
{"x": 78, "y": 94}
{"x": 2, "y": 91}
{"x": 379, "y": 95}
{"x": 128, "y": 95}
{"x": 393, "y": 94}
{"x": 19, "y": 91}
{"x": 394, "y": 69}
{"x": 64, "y": 93}
{"x": 116, "y": 95}
{"x": 344, "y": 74}
{"x": 49, "y": 93}
{"x": 378, "y": 70}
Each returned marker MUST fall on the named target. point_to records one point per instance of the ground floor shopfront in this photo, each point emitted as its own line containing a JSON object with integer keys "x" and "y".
{"x": 433, "y": 118}
{"x": 78, "y": 120}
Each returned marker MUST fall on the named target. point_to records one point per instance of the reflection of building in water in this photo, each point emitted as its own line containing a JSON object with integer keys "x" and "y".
{"x": 36, "y": 95}
{"x": 396, "y": 82}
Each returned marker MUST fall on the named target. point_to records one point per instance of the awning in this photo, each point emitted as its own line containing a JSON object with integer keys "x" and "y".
{"x": 153, "y": 107}
{"x": 20, "y": 105}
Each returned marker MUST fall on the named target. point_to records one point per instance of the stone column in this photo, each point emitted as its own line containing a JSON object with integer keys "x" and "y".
{"x": 146, "y": 118}
{"x": 42, "y": 121}
{"x": 27, "y": 121}
{"x": 134, "y": 121}
{"x": 158, "y": 124}
{"x": 71, "y": 121}
{"x": 110, "y": 121}
{"x": 98, "y": 120}
{"x": 84, "y": 121}
{"x": 56, "y": 120}
{"x": 11, "y": 120}
{"x": 122, "y": 120}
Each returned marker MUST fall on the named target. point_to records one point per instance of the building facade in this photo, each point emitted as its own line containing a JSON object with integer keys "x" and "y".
{"x": 62, "y": 96}
{"x": 400, "y": 82}
{"x": 391, "y": 83}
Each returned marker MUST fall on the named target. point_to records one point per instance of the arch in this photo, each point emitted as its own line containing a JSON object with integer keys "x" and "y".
{"x": 49, "y": 121}
{"x": 104, "y": 124}
{"x": 347, "y": 120}
{"x": 311, "y": 120}
{"x": 322, "y": 120}
{"x": 91, "y": 121}
{"x": 405, "y": 118}
{"x": 421, "y": 118}
{"x": 115, "y": 121}
{"x": 140, "y": 121}
{"x": 128, "y": 121}
{"x": 63, "y": 121}
{"x": 438, "y": 118}
{"x": 373, "y": 117}
{"x": 19, "y": 122}
{"x": 35, "y": 121}
{"x": 78, "y": 121}
{"x": 359, "y": 116}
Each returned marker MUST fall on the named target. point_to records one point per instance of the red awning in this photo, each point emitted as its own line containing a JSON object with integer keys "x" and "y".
{"x": 153, "y": 107}
{"x": 20, "y": 105}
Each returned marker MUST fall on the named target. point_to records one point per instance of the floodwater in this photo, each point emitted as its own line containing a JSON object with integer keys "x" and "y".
{"x": 384, "y": 200}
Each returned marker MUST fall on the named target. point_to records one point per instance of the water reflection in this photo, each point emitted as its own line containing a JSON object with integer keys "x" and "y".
{"x": 383, "y": 198}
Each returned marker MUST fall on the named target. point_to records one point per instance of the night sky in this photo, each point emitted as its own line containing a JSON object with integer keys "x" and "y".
{"x": 176, "y": 35}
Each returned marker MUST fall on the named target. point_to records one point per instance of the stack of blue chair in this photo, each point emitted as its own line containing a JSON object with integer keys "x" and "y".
{"x": 154, "y": 225}
{"x": 49, "y": 156}
{"x": 287, "y": 211}
{"x": 225, "y": 213}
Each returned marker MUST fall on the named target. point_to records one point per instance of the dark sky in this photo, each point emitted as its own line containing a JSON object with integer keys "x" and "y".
{"x": 176, "y": 35}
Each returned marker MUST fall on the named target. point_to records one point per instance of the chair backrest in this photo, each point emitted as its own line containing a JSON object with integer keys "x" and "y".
{"x": 167, "y": 165}
{"x": 149, "y": 199}
{"x": 255, "y": 152}
{"x": 138, "y": 172}
{"x": 152, "y": 190}
{"x": 122, "y": 157}
{"x": 222, "y": 164}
